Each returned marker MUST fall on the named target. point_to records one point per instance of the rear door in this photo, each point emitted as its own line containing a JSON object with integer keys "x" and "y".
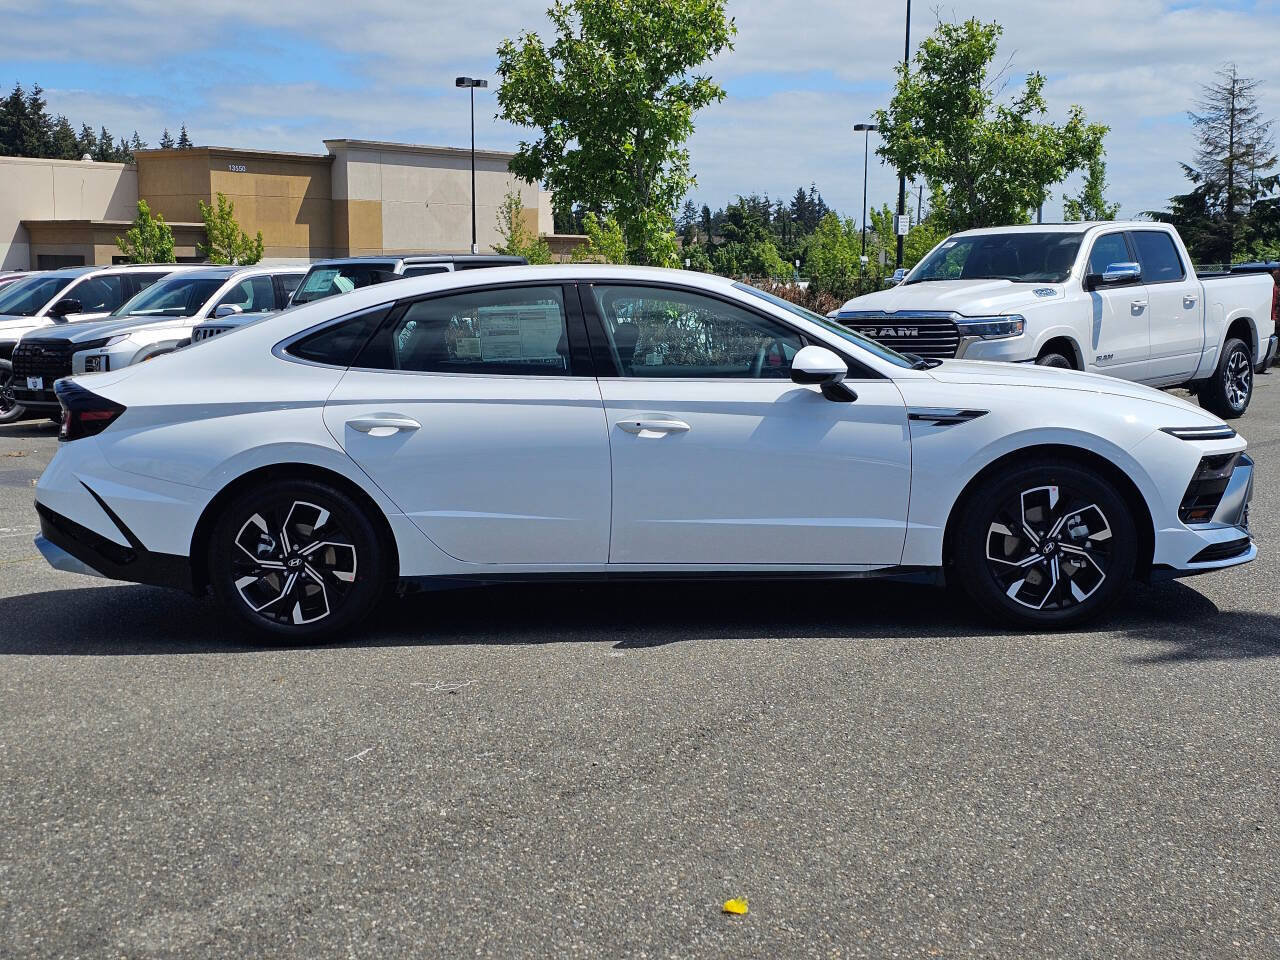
{"x": 478, "y": 414}
{"x": 1120, "y": 335}
{"x": 719, "y": 459}
{"x": 1173, "y": 301}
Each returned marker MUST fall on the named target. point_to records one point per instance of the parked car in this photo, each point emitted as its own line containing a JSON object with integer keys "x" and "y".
{"x": 595, "y": 421}
{"x": 9, "y": 276}
{"x": 328, "y": 278}
{"x": 52, "y": 296}
{"x": 155, "y": 322}
{"x": 1114, "y": 298}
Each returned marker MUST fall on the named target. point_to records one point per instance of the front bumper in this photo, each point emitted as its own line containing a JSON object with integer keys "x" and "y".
{"x": 1224, "y": 541}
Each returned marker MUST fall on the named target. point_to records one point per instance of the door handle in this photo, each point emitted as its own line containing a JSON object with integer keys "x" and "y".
{"x": 1190, "y": 301}
{"x": 653, "y": 428}
{"x": 1138, "y": 304}
{"x": 383, "y": 426}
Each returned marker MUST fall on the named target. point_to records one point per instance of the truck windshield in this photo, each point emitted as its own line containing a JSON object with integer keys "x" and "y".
{"x": 1020, "y": 257}
{"x": 23, "y": 298}
{"x": 328, "y": 280}
{"x": 175, "y": 297}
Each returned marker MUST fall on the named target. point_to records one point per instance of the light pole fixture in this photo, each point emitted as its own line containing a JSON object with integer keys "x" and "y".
{"x": 471, "y": 83}
{"x": 902, "y": 180}
{"x": 866, "y": 129}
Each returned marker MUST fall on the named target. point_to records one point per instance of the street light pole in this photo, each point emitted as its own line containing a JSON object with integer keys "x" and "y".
{"x": 866, "y": 130}
{"x": 471, "y": 83}
{"x": 902, "y": 180}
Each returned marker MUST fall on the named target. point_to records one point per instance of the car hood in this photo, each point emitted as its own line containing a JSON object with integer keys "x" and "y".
{"x": 972, "y": 298}
{"x": 11, "y": 327}
{"x": 990, "y": 373}
{"x": 83, "y": 331}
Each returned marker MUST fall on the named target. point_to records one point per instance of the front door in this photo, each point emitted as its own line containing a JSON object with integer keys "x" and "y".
{"x": 719, "y": 459}
{"x": 475, "y": 416}
{"x": 1120, "y": 334}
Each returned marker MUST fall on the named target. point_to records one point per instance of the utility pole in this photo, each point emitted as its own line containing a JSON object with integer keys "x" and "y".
{"x": 902, "y": 180}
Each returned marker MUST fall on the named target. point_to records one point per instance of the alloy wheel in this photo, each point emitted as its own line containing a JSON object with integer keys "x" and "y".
{"x": 1238, "y": 378}
{"x": 1049, "y": 548}
{"x": 294, "y": 564}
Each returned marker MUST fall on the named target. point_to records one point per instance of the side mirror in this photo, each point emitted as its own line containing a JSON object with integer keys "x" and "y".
{"x": 898, "y": 276}
{"x": 1116, "y": 274}
{"x": 64, "y": 307}
{"x": 824, "y": 367}
{"x": 227, "y": 310}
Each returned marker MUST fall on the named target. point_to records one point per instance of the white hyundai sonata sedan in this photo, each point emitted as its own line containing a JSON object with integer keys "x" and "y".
{"x": 587, "y": 422}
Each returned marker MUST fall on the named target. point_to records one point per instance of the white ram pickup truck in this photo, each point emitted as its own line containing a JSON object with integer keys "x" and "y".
{"x": 1115, "y": 298}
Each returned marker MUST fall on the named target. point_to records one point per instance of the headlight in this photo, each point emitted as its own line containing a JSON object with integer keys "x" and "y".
{"x": 1200, "y": 433}
{"x": 992, "y": 328}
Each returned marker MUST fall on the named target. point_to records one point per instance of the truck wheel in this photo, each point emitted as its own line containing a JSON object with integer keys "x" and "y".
{"x": 1049, "y": 544}
{"x": 1228, "y": 392}
{"x": 1054, "y": 359}
{"x": 10, "y": 409}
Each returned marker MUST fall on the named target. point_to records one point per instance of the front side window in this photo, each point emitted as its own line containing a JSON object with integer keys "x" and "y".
{"x": 1021, "y": 257}
{"x": 97, "y": 294}
{"x": 331, "y": 280}
{"x": 658, "y": 332}
{"x": 251, "y": 295}
{"x": 1108, "y": 249}
{"x": 1158, "y": 256}
{"x": 26, "y": 297}
{"x": 514, "y": 331}
{"x": 143, "y": 280}
{"x": 178, "y": 296}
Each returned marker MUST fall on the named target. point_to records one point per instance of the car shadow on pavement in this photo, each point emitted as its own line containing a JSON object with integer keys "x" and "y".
{"x": 134, "y": 620}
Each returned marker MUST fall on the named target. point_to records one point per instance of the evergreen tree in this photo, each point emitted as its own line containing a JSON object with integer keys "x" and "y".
{"x": 13, "y": 120}
{"x": 37, "y": 132}
{"x": 106, "y": 152}
{"x": 63, "y": 144}
{"x": 87, "y": 142}
{"x": 184, "y": 141}
{"x": 166, "y": 140}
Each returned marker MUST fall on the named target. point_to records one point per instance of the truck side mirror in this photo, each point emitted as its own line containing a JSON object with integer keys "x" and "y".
{"x": 1116, "y": 274}
{"x": 64, "y": 307}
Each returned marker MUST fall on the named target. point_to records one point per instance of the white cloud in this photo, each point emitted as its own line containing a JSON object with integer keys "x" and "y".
{"x": 799, "y": 77}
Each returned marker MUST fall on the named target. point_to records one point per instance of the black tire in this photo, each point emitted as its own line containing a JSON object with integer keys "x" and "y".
{"x": 1228, "y": 392}
{"x": 312, "y": 545}
{"x": 1060, "y": 573}
{"x": 10, "y": 410}
{"x": 1054, "y": 359}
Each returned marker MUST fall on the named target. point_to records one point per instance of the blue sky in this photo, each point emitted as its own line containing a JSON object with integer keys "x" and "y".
{"x": 288, "y": 74}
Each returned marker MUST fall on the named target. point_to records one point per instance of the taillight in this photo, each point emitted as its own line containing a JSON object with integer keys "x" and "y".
{"x": 84, "y": 413}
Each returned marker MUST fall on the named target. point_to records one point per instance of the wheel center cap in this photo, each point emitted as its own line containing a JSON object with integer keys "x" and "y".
{"x": 1048, "y": 547}
{"x": 293, "y": 563}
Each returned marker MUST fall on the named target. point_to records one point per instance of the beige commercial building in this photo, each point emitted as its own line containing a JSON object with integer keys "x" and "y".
{"x": 360, "y": 197}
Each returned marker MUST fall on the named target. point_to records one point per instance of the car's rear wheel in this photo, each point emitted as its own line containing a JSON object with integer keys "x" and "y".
{"x": 297, "y": 560}
{"x": 1048, "y": 544}
{"x": 1228, "y": 392}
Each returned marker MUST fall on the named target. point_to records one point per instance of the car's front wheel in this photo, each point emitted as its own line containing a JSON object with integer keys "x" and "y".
{"x": 298, "y": 560}
{"x": 1048, "y": 544}
{"x": 10, "y": 409}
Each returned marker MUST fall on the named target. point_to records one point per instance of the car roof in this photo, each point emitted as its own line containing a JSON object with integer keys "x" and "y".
{"x": 1082, "y": 226}
{"x": 494, "y": 258}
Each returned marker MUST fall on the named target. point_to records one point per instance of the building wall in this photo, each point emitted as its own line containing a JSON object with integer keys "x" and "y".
{"x": 58, "y": 190}
{"x": 396, "y": 198}
{"x": 286, "y": 196}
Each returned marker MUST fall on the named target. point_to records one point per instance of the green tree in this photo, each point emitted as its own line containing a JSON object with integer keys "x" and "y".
{"x": 613, "y": 99}
{"x": 166, "y": 140}
{"x": 832, "y": 257}
{"x": 149, "y": 240}
{"x": 517, "y": 239}
{"x": 986, "y": 163}
{"x": 13, "y": 121}
{"x": 227, "y": 243}
{"x": 184, "y": 141}
{"x": 1091, "y": 202}
{"x": 63, "y": 140}
{"x": 605, "y": 242}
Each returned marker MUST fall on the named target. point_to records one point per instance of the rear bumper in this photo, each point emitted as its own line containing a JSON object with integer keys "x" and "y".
{"x": 1269, "y": 355}
{"x": 67, "y": 545}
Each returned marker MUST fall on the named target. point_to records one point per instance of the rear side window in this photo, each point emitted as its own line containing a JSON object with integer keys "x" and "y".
{"x": 338, "y": 345}
{"x": 1158, "y": 256}
{"x": 425, "y": 271}
{"x": 287, "y": 282}
{"x": 1108, "y": 249}
{"x": 331, "y": 280}
{"x": 514, "y": 331}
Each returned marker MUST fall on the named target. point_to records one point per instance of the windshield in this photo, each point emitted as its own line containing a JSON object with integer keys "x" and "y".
{"x": 329, "y": 281}
{"x": 175, "y": 297}
{"x": 879, "y": 349}
{"x": 1020, "y": 257}
{"x": 26, "y": 297}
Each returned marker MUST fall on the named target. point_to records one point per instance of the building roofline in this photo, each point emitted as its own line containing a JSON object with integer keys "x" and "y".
{"x": 71, "y": 163}
{"x": 418, "y": 148}
{"x": 235, "y": 151}
{"x": 125, "y": 224}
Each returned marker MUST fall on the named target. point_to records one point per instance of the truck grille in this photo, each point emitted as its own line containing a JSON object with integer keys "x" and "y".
{"x": 47, "y": 359}
{"x": 205, "y": 333}
{"x": 924, "y": 335}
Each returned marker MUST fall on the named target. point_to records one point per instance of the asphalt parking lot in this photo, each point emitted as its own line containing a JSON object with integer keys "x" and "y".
{"x": 564, "y": 771}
